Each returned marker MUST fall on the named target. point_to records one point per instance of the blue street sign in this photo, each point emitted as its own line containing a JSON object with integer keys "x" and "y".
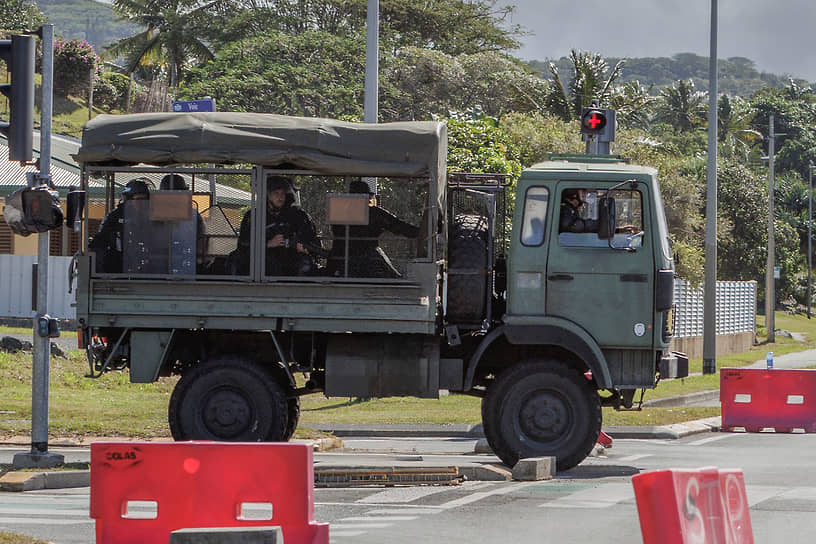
{"x": 205, "y": 104}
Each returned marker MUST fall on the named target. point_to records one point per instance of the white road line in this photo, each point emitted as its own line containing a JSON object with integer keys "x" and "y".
{"x": 759, "y": 493}
{"x": 603, "y": 496}
{"x": 473, "y": 497}
{"x": 402, "y": 494}
{"x": 42, "y": 521}
{"x": 630, "y": 458}
{"x": 358, "y": 526}
{"x": 42, "y": 511}
{"x": 378, "y": 518}
{"x": 399, "y": 511}
{"x": 710, "y": 439}
{"x": 336, "y": 533}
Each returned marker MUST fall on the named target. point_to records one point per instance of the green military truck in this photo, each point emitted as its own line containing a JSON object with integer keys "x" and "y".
{"x": 491, "y": 299}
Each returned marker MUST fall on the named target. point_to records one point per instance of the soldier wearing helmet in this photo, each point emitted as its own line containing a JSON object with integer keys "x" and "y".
{"x": 290, "y": 233}
{"x": 107, "y": 242}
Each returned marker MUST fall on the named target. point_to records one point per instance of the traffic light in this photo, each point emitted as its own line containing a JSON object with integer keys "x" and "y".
{"x": 593, "y": 121}
{"x": 18, "y": 52}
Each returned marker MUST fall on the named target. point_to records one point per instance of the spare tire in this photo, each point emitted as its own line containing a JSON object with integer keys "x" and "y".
{"x": 467, "y": 269}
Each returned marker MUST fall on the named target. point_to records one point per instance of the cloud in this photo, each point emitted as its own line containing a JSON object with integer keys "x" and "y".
{"x": 778, "y": 36}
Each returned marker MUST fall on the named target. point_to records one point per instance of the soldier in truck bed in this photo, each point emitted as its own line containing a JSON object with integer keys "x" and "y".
{"x": 107, "y": 243}
{"x": 289, "y": 234}
{"x": 366, "y": 257}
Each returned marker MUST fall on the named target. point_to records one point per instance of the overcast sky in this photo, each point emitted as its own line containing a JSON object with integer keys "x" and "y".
{"x": 778, "y": 35}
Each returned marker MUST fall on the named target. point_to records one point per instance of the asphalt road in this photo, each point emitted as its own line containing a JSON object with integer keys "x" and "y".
{"x": 590, "y": 503}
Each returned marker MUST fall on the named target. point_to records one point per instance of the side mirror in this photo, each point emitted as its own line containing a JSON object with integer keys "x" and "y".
{"x": 74, "y": 208}
{"x": 606, "y": 218}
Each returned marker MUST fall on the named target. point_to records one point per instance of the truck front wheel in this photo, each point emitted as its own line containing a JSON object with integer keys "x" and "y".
{"x": 231, "y": 400}
{"x": 542, "y": 408}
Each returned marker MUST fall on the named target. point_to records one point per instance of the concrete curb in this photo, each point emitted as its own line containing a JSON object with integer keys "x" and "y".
{"x": 684, "y": 400}
{"x": 31, "y": 481}
{"x": 676, "y": 430}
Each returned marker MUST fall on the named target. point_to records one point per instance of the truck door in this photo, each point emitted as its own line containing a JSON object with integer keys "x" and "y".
{"x": 609, "y": 291}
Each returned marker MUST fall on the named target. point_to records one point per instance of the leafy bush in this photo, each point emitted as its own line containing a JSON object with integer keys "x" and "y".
{"x": 110, "y": 91}
{"x": 73, "y": 62}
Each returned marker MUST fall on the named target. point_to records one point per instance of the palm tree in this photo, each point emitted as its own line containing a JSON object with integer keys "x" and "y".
{"x": 592, "y": 80}
{"x": 734, "y": 117}
{"x": 682, "y": 106}
{"x": 173, "y": 34}
{"x": 633, "y": 104}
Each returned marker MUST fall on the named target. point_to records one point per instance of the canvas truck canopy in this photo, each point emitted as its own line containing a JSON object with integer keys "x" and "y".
{"x": 324, "y": 146}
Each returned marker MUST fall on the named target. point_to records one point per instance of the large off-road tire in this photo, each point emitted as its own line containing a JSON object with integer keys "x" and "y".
{"x": 467, "y": 269}
{"x": 231, "y": 400}
{"x": 542, "y": 408}
{"x": 293, "y": 416}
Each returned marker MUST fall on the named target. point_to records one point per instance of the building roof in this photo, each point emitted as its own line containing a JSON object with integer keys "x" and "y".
{"x": 65, "y": 173}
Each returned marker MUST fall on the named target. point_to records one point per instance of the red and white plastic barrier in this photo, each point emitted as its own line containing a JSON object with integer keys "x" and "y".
{"x": 756, "y": 399}
{"x": 687, "y": 506}
{"x": 141, "y": 492}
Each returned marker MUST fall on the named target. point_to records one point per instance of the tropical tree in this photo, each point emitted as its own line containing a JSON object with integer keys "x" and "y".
{"x": 591, "y": 80}
{"x": 426, "y": 83}
{"x": 681, "y": 106}
{"x": 173, "y": 35}
{"x": 313, "y": 74}
{"x": 633, "y": 104}
{"x": 734, "y": 131}
{"x": 20, "y": 16}
{"x": 454, "y": 27}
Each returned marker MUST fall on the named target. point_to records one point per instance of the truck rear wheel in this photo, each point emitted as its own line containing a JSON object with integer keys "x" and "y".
{"x": 542, "y": 408}
{"x": 293, "y": 416}
{"x": 231, "y": 400}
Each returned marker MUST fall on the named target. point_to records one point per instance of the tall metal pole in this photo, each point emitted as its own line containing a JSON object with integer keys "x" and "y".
{"x": 770, "y": 294}
{"x": 372, "y": 83}
{"x": 710, "y": 290}
{"x": 372, "y": 61}
{"x": 39, "y": 455}
{"x": 810, "y": 237}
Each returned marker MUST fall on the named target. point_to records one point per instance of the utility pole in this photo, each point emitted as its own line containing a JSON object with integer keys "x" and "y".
{"x": 770, "y": 294}
{"x": 710, "y": 290}
{"x": 372, "y": 82}
{"x": 39, "y": 456}
{"x": 810, "y": 237}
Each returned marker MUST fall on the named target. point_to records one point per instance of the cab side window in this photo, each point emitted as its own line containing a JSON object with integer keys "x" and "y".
{"x": 535, "y": 216}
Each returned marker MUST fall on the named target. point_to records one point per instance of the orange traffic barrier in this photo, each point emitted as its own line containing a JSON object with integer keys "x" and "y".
{"x": 141, "y": 492}
{"x": 684, "y": 506}
{"x": 756, "y": 399}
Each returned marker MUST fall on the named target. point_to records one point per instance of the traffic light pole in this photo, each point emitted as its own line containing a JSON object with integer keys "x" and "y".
{"x": 39, "y": 456}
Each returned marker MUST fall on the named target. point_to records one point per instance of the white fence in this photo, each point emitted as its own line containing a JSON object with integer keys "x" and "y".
{"x": 15, "y": 287}
{"x": 736, "y": 308}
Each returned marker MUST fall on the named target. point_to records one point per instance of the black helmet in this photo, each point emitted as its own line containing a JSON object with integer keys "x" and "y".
{"x": 274, "y": 182}
{"x": 359, "y": 186}
{"x": 173, "y": 182}
{"x": 138, "y": 186}
{"x": 569, "y": 194}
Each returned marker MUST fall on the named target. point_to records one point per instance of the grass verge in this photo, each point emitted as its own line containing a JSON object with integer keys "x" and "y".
{"x": 113, "y": 407}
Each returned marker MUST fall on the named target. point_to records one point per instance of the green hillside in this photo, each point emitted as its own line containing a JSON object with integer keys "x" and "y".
{"x": 85, "y": 20}
{"x": 737, "y": 75}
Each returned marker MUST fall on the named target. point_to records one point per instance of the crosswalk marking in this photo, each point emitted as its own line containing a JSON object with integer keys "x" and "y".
{"x": 401, "y": 494}
{"x": 710, "y": 439}
{"x": 378, "y": 518}
{"x": 631, "y": 458}
{"x": 43, "y": 521}
{"x": 479, "y": 495}
{"x": 602, "y": 496}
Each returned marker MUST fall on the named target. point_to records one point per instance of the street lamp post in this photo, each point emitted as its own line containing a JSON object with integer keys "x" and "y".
{"x": 810, "y": 236}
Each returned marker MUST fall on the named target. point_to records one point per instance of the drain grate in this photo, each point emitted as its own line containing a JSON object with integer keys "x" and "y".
{"x": 379, "y": 476}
